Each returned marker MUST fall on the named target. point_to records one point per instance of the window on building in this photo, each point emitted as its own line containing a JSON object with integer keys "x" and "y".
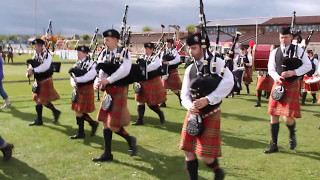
{"x": 304, "y": 28}
{"x": 274, "y": 28}
{"x": 267, "y": 29}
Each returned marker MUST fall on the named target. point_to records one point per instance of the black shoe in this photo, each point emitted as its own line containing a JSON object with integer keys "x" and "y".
{"x": 78, "y": 136}
{"x": 314, "y": 101}
{"x": 56, "y": 115}
{"x": 292, "y": 142}
{"x": 94, "y": 126}
{"x": 273, "y": 148}
{"x": 138, "y": 122}
{"x": 161, "y": 116}
{"x": 318, "y": 127}
{"x": 103, "y": 158}
{"x": 7, "y": 151}
{"x": 36, "y": 123}
{"x": 163, "y": 104}
{"x": 133, "y": 148}
{"x": 258, "y": 104}
{"x": 238, "y": 93}
{"x": 219, "y": 174}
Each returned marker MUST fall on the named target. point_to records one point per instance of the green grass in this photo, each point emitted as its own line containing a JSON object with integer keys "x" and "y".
{"x": 47, "y": 152}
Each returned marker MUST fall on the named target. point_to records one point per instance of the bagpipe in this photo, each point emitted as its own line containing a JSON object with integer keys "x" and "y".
{"x": 291, "y": 60}
{"x": 205, "y": 82}
{"x": 54, "y": 67}
{"x": 138, "y": 71}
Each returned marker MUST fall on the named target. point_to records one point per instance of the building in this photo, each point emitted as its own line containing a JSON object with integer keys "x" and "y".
{"x": 138, "y": 39}
{"x": 265, "y": 30}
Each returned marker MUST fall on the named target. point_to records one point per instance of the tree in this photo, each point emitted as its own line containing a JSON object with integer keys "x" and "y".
{"x": 146, "y": 28}
{"x": 12, "y": 37}
{"x": 191, "y": 28}
{"x": 85, "y": 37}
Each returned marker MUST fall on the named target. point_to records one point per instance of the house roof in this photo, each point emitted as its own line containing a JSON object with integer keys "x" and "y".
{"x": 238, "y": 22}
{"x": 271, "y": 38}
{"x": 265, "y": 21}
{"x": 299, "y": 20}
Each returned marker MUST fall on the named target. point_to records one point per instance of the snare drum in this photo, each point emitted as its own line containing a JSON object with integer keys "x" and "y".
{"x": 312, "y": 84}
{"x": 260, "y": 56}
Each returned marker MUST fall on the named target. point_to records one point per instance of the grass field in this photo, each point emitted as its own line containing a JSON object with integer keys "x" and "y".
{"x": 46, "y": 152}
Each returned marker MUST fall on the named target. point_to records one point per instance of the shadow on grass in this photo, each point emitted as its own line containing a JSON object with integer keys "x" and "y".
{"x": 235, "y": 141}
{"x": 25, "y": 116}
{"x": 242, "y": 117}
{"x": 307, "y": 154}
{"x": 158, "y": 165}
{"x": 155, "y": 123}
{"x": 16, "y": 169}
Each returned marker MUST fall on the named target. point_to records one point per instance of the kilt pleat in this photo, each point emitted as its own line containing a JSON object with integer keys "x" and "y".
{"x": 209, "y": 142}
{"x": 247, "y": 76}
{"x": 118, "y": 115}
{"x": 173, "y": 82}
{"x": 153, "y": 92}
{"x": 289, "y": 104}
{"x": 264, "y": 83}
{"x": 85, "y": 101}
{"x": 47, "y": 92}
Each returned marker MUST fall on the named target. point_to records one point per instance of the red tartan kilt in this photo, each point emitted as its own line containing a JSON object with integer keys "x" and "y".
{"x": 46, "y": 93}
{"x": 289, "y": 104}
{"x": 209, "y": 142}
{"x": 264, "y": 83}
{"x": 173, "y": 82}
{"x": 10, "y": 55}
{"x": 85, "y": 101}
{"x": 153, "y": 92}
{"x": 247, "y": 76}
{"x": 118, "y": 115}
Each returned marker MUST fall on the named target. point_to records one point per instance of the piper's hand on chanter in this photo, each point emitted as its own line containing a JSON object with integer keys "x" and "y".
{"x": 194, "y": 110}
{"x": 102, "y": 82}
{"x": 29, "y": 72}
{"x": 280, "y": 79}
{"x": 200, "y": 103}
{"x": 286, "y": 74}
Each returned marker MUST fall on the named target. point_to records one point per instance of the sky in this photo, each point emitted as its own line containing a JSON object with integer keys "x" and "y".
{"x": 31, "y": 17}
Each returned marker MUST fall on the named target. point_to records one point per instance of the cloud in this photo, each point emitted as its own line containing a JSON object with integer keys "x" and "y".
{"x": 83, "y": 16}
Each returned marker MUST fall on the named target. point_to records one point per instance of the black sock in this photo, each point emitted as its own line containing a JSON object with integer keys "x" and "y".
{"x": 80, "y": 122}
{"x": 192, "y": 169}
{"x": 141, "y": 110}
{"x": 155, "y": 108}
{"x": 248, "y": 91}
{"x": 123, "y": 133}
{"x": 314, "y": 98}
{"x": 214, "y": 165}
{"x": 304, "y": 96}
{"x": 274, "y": 128}
{"x": 292, "y": 129}
{"x": 87, "y": 118}
{"x": 107, "y": 135}
{"x": 50, "y": 106}
{"x": 39, "y": 111}
{"x": 259, "y": 93}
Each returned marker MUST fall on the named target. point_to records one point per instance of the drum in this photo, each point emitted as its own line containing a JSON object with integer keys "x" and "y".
{"x": 260, "y": 56}
{"x": 312, "y": 84}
